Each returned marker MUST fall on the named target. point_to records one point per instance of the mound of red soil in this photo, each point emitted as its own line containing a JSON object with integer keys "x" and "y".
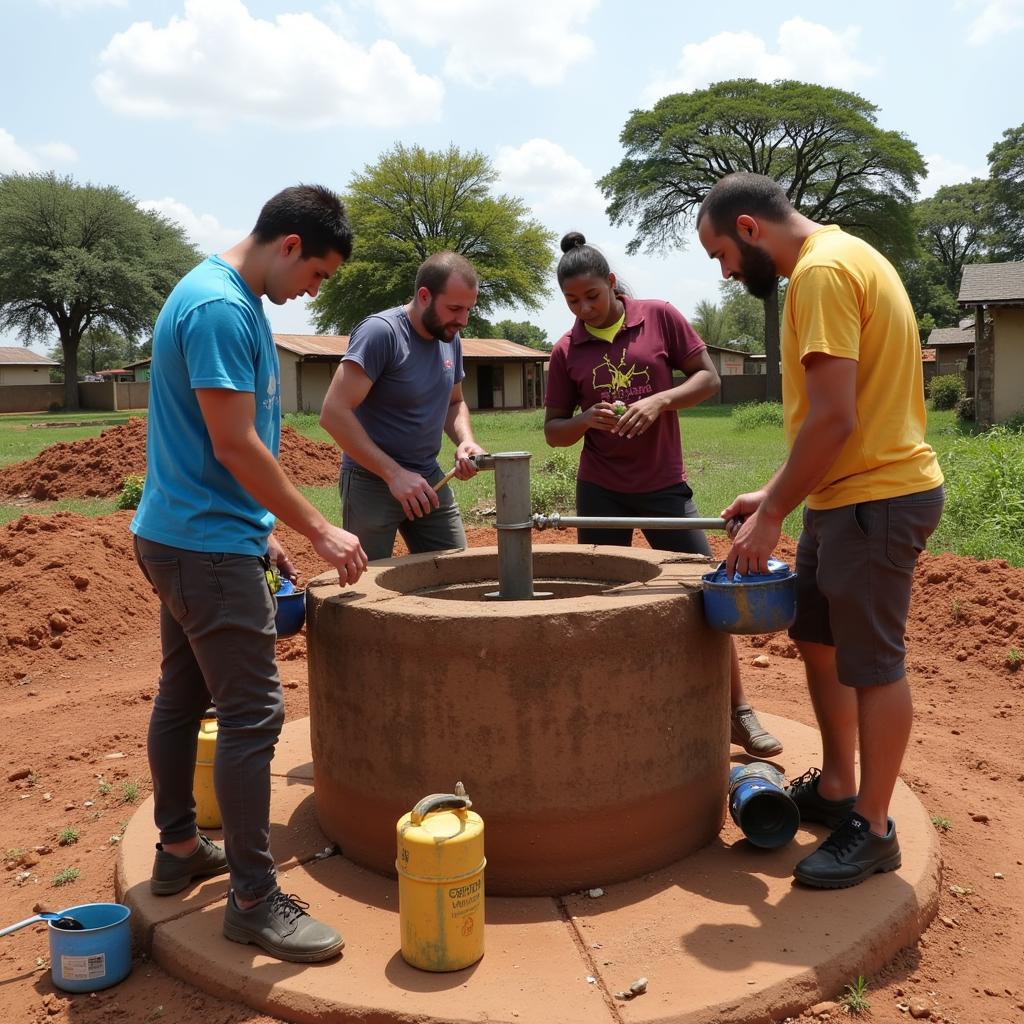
{"x": 95, "y": 467}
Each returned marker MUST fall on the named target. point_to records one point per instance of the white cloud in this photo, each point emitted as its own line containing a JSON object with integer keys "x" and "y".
{"x": 806, "y": 51}
{"x": 74, "y": 6}
{"x": 202, "y": 228}
{"x": 219, "y": 63}
{"x": 552, "y": 180}
{"x": 16, "y": 158}
{"x": 490, "y": 40}
{"x": 995, "y": 19}
{"x": 943, "y": 171}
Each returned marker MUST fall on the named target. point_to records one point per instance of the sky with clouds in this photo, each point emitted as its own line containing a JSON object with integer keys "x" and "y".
{"x": 202, "y": 109}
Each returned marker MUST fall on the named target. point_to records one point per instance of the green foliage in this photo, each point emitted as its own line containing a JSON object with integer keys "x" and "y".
{"x": 79, "y": 257}
{"x": 755, "y": 415}
{"x": 65, "y": 877}
{"x": 414, "y": 202}
{"x": 951, "y": 227}
{"x": 984, "y": 513}
{"x": 522, "y": 332}
{"x": 1013, "y": 659}
{"x": 709, "y": 320}
{"x": 941, "y": 823}
{"x": 129, "y": 791}
{"x": 131, "y": 491}
{"x": 854, "y": 997}
{"x": 822, "y": 144}
{"x": 68, "y": 836}
{"x": 1006, "y": 172}
{"x": 553, "y": 482}
{"x": 946, "y": 390}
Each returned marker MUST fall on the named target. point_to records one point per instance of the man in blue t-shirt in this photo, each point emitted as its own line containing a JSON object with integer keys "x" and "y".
{"x": 398, "y": 387}
{"x": 203, "y": 540}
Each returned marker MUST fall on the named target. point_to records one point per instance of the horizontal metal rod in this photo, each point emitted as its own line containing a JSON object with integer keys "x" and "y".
{"x": 557, "y": 521}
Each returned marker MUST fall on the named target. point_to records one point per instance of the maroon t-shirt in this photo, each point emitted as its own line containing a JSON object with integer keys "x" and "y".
{"x": 654, "y": 340}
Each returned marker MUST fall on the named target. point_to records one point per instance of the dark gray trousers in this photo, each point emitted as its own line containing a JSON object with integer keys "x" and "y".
{"x": 217, "y": 638}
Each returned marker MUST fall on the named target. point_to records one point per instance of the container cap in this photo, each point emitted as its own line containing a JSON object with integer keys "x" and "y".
{"x": 776, "y": 571}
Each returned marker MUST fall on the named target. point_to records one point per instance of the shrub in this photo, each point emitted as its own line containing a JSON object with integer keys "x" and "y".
{"x": 752, "y": 415}
{"x": 965, "y": 409}
{"x": 946, "y": 390}
{"x": 131, "y": 491}
{"x": 553, "y": 485}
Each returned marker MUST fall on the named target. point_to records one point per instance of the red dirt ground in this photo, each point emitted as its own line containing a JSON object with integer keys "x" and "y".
{"x": 80, "y": 653}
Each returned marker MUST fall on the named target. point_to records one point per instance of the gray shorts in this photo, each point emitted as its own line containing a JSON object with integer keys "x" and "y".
{"x": 855, "y": 567}
{"x": 370, "y": 512}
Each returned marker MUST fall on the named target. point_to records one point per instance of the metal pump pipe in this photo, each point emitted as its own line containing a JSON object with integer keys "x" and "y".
{"x": 557, "y": 521}
{"x": 512, "y": 507}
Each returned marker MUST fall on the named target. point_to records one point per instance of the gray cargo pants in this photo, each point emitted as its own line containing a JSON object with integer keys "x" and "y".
{"x": 217, "y": 638}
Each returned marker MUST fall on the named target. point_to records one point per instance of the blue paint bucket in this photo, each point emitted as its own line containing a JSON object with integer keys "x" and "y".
{"x": 97, "y": 955}
{"x": 760, "y": 806}
{"x": 291, "y": 609}
{"x": 764, "y": 603}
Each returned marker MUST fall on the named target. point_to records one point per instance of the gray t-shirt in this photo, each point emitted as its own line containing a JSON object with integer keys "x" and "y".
{"x": 405, "y": 409}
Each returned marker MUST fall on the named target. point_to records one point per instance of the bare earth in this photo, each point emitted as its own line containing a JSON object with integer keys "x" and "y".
{"x": 80, "y": 649}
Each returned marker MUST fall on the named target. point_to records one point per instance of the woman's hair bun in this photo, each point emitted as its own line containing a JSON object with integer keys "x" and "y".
{"x": 572, "y": 240}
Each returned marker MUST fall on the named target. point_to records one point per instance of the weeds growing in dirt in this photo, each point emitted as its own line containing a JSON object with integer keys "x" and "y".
{"x": 68, "y": 836}
{"x": 65, "y": 877}
{"x": 131, "y": 491}
{"x": 104, "y": 787}
{"x": 955, "y": 609}
{"x": 129, "y": 791}
{"x": 752, "y": 415}
{"x": 854, "y": 997}
{"x": 1013, "y": 659}
{"x": 941, "y": 823}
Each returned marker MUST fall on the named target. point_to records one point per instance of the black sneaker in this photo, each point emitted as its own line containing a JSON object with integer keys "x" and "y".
{"x": 281, "y": 926}
{"x": 852, "y": 853}
{"x": 814, "y": 807}
{"x": 172, "y": 874}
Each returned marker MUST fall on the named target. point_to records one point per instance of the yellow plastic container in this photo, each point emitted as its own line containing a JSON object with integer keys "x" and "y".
{"x": 441, "y": 883}
{"x": 207, "y": 808}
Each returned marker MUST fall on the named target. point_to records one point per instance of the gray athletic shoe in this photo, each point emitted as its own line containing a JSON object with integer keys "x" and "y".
{"x": 172, "y": 874}
{"x": 748, "y": 733}
{"x": 280, "y": 926}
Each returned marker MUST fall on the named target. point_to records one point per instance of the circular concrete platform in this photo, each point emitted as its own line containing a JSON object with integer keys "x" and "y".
{"x": 723, "y": 935}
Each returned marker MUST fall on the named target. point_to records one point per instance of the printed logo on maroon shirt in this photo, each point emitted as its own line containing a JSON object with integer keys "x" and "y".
{"x": 614, "y": 381}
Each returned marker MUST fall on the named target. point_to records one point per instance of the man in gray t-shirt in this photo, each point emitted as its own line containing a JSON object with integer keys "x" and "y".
{"x": 398, "y": 387}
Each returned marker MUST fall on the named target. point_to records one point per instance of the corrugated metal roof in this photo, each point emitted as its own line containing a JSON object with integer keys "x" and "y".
{"x": 11, "y": 355}
{"x": 992, "y": 283}
{"x": 472, "y": 348}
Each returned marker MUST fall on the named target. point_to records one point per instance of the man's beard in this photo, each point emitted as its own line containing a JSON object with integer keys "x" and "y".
{"x": 432, "y": 322}
{"x": 758, "y": 272}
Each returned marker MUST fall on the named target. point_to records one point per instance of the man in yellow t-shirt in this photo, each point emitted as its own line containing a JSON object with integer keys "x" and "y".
{"x": 853, "y": 403}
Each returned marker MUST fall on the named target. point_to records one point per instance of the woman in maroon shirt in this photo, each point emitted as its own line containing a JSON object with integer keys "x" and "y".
{"x": 615, "y": 365}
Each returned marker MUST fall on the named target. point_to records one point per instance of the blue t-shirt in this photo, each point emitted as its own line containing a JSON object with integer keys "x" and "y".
{"x": 211, "y": 333}
{"x": 405, "y": 409}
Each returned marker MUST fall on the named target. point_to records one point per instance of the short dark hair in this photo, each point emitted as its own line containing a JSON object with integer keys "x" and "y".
{"x": 314, "y": 213}
{"x": 742, "y": 192}
{"x": 435, "y": 270}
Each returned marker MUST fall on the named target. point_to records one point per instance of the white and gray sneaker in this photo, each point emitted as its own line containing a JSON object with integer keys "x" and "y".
{"x": 280, "y": 926}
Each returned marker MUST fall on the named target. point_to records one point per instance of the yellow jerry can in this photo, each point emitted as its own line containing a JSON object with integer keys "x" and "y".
{"x": 441, "y": 883}
{"x": 207, "y": 808}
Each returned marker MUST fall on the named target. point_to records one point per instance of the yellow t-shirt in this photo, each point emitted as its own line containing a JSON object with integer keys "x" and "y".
{"x": 607, "y": 333}
{"x": 845, "y": 299}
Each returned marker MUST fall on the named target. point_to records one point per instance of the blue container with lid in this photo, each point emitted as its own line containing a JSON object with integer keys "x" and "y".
{"x": 291, "y": 609}
{"x": 763, "y": 603}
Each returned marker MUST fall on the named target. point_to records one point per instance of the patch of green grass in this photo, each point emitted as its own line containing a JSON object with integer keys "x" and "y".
{"x": 89, "y": 507}
{"x": 753, "y": 415}
{"x": 129, "y": 791}
{"x": 941, "y": 823}
{"x": 103, "y": 788}
{"x": 854, "y": 997}
{"x": 65, "y": 877}
{"x": 23, "y": 436}
{"x": 1013, "y": 659}
{"x": 68, "y": 836}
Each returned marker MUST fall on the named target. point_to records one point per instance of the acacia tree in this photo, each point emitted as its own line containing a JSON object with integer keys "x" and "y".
{"x": 821, "y": 144}
{"x": 1006, "y": 173}
{"x": 75, "y": 257}
{"x": 413, "y": 203}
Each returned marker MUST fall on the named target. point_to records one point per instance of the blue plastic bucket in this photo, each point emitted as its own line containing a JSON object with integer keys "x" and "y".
{"x": 291, "y": 609}
{"x": 97, "y": 956}
{"x": 764, "y": 603}
{"x": 759, "y": 805}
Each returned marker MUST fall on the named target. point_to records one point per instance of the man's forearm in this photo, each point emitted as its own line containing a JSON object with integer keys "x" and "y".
{"x": 457, "y": 423}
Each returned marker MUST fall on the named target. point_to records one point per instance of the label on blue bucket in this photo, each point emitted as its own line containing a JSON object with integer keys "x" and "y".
{"x": 83, "y": 968}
